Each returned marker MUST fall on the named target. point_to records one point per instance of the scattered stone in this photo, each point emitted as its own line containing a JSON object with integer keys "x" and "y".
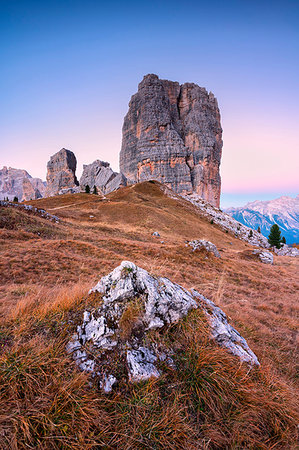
{"x": 199, "y": 244}
{"x": 155, "y": 233}
{"x": 40, "y": 212}
{"x": 61, "y": 176}
{"x": 134, "y": 302}
{"x": 172, "y": 134}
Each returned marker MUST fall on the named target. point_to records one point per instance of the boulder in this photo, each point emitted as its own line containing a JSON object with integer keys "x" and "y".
{"x": 133, "y": 303}
{"x": 61, "y": 173}
{"x": 265, "y": 257}
{"x": 172, "y": 133}
{"x": 199, "y": 244}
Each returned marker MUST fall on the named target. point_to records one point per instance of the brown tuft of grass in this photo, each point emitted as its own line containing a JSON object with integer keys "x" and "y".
{"x": 130, "y": 319}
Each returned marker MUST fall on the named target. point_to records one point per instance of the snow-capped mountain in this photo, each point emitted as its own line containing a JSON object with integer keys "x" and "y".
{"x": 284, "y": 211}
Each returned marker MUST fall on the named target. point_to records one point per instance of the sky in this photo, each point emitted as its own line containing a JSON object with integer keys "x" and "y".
{"x": 69, "y": 67}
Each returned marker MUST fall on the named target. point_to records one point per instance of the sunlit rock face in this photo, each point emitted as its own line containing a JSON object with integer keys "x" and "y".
{"x": 61, "y": 175}
{"x": 172, "y": 133}
{"x": 18, "y": 183}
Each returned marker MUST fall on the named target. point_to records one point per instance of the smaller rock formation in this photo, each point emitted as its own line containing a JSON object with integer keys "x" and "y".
{"x": 100, "y": 174}
{"x": 265, "y": 257}
{"x": 133, "y": 303}
{"x": 199, "y": 244}
{"x": 18, "y": 183}
{"x": 61, "y": 177}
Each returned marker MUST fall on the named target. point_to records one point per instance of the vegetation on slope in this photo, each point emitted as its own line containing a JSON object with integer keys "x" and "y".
{"x": 210, "y": 401}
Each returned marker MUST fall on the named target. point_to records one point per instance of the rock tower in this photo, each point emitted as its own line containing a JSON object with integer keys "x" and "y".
{"x": 172, "y": 133}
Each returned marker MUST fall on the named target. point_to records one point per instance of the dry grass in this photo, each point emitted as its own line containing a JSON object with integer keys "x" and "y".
{"x": 210, "y": 402}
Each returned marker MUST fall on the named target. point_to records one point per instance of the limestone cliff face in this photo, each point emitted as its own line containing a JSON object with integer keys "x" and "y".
{"x": 61, "y": 176}
{"x": 172, "y": 133}
{"x": 100, "y": 174}
{"x": 18, "y": 183}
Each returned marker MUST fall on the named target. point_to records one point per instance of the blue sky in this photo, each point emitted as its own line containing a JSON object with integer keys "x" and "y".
{"x": 69, "y": 69}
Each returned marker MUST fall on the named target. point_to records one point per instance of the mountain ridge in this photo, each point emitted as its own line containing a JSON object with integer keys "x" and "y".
{"x": 283, "y": 210}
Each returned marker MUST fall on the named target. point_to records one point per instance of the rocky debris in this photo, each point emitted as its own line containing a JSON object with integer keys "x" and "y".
{"x": 226, "y": 222}
{"x": 199, "y": 244}
{"x": 18, "y": 183}
{"x": 100, "y": 174}
{"x": 172, "y": 133}
{"x": 40, "y": 212}
{"x": 285, "y": 250}
{"x": 265, "y": 257}
{"x": 61, "y": 177}
{"x": 133, "y": 303}
{"x": 155, "y": 233}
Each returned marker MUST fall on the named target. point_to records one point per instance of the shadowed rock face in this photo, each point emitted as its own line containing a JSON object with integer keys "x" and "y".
{"x": 172, "y": 133}
{"x": 61, "y": 173}
{"x": 18, "y": 183}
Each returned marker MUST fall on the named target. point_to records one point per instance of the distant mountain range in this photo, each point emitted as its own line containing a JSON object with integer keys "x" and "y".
{"x": 284, "y": 211}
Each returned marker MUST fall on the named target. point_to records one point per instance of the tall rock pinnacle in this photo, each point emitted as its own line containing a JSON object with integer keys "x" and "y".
{"x": 61, "y": 173}
{"x": 172, "y": 133}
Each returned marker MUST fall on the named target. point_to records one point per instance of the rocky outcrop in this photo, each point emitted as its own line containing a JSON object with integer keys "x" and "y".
{"x": 200, "y": 244}
{"x": 61, "y": 177}
{"x": 285, "y": 250}
{"x": 172, "y": 133}
{"x": 100, "y": 174}
{"x": 134, "y": 303}
{"x": 225, "y": 221}
{"x": 18, "y": 183}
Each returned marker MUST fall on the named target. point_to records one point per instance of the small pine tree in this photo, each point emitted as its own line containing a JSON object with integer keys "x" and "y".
{"x": 283, "y": 240}
{"x": 250, "y": 234}
{"x": 87, "y": 189}
{"x": 95, "y": 191}
{"x": 274, "y": 237}
{"x": 15, "y": 199}
{"x": 259, "y": 229}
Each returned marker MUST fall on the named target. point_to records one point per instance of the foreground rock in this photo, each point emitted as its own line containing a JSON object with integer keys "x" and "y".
{"x": 199, "y": 244}
{"x": 18, "y": 183}
{"x": 100, "y": 174}
{"x": 61, "y": 174}
{"x": 134, "y": 302}
{"x": 172, "y": 133}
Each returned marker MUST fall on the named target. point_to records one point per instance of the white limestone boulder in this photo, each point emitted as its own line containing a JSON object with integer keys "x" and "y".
{"x": 132, "y": 296}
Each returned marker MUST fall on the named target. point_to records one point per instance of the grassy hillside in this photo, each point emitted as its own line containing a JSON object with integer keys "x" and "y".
{"x": 211, "y": 401}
